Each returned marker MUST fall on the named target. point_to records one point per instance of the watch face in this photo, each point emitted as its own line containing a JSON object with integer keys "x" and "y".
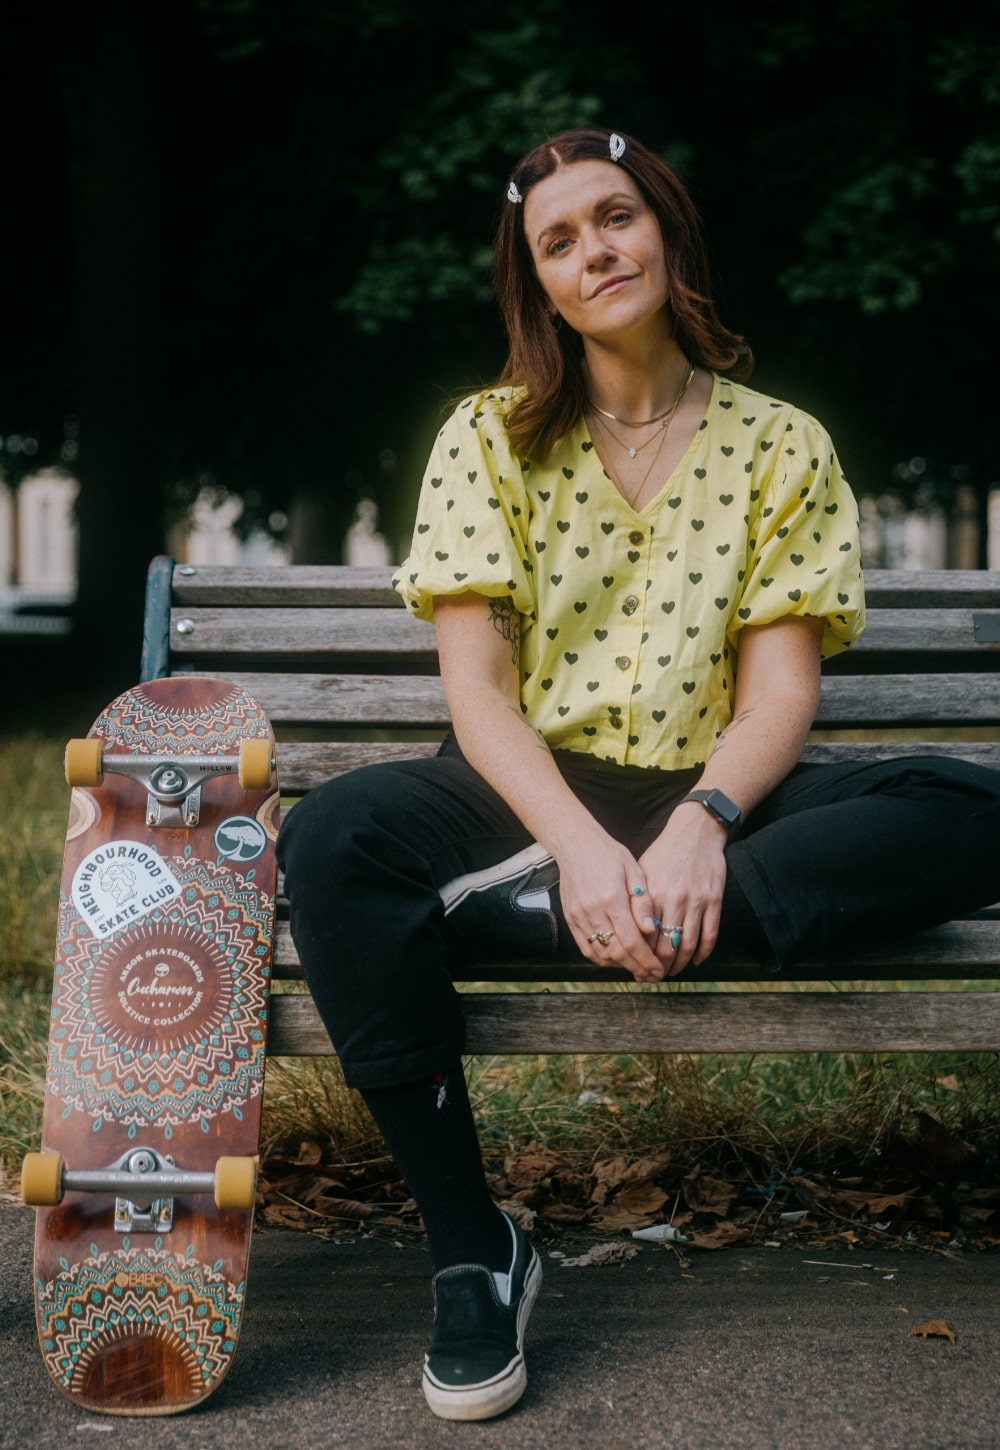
{"x": 721, "y": 806}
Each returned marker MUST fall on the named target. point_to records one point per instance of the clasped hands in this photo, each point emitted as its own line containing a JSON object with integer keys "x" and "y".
{"x": 653, "y": 915}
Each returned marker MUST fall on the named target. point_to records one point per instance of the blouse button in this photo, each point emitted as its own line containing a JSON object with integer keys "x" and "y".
{"x": 631, "y": 604}
{"x": 617, "y": 721}
{"x": 623, "y": 662}
{"x": 635, "y": 537}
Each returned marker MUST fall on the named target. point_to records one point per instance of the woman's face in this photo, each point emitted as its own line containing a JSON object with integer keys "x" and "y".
{"x": 598, "y": 250}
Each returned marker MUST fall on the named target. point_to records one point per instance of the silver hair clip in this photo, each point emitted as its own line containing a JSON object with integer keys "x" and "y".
{"x": 513, "y": 194}
{"x": 617, "y": 146}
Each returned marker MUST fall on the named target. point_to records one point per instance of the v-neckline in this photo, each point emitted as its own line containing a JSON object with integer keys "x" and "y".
{"x": 682, "y": 460}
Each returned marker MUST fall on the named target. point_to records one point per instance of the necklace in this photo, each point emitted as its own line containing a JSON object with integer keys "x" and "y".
{"x": 661, "y": 433}
{"x": 629, "y": 449}
{"x": 627, "y": 423}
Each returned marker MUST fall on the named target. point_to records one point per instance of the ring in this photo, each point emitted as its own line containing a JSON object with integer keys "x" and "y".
{"x": 602, "y": 936}
{"x": 675, "y": 934}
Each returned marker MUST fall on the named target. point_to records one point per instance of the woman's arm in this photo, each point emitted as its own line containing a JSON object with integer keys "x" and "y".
{"x": 478, "y": 647}
{"x": 777, "y": 693}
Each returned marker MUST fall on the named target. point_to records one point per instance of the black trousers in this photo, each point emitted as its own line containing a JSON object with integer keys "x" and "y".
{"x": 371, "y": 857}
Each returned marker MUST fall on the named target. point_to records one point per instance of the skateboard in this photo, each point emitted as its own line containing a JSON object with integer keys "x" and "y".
{"x": 145, "y": 1182}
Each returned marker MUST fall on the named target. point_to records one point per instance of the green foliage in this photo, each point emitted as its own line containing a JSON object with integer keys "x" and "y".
{"x": 868, "y": 246}
{"x": 36, "y": 801}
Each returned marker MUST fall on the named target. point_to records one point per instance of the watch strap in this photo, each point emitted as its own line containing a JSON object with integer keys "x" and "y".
{"x": 718, "y": 804}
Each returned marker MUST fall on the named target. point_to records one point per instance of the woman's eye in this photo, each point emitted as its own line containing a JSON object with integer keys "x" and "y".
{"x": 618, "y": 218}
{"x": 559, "y": 245}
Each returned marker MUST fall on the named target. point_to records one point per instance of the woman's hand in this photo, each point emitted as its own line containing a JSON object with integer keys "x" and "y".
{"x": 685, "y": 872}
{"x": 600, "y": 883}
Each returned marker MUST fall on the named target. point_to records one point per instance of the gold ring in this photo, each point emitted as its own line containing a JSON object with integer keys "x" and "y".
{"x": 602, "y": 936}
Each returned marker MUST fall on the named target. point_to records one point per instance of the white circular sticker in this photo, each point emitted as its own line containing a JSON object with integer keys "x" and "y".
{"x": 120, "y": 883}
{"x": 240, "y": 838}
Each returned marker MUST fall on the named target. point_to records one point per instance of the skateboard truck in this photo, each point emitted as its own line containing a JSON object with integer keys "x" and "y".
{"x": 172, "y": 782}
{"x": 144, "y": 1183}
{"x": 139, "y": 1213}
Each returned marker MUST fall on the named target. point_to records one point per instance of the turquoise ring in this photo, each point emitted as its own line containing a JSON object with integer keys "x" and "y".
{"x": 673, "y": 934}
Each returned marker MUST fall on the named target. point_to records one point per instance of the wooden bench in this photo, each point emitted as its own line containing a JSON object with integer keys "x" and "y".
{"x": 348, "y": 677}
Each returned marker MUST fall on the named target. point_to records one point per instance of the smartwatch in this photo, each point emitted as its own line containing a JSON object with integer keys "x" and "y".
{"x": 725, "y": 811}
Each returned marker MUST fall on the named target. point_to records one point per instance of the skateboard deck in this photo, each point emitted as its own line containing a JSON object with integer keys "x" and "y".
{"x": 144, "y": 1185}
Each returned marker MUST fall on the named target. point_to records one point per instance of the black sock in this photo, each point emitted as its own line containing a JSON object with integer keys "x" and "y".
{"x": 431, "y": 1133}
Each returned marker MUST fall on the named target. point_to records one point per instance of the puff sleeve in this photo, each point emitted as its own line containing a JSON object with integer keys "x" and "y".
{"x": 471, "y": 515}
{"x": 804, "y": 554}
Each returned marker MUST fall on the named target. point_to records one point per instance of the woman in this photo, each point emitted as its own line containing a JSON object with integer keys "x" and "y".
{"x": 634, "y": 564}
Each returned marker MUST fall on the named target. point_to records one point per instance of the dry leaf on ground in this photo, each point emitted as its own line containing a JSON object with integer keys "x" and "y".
{"x": 934, "y": 1329}
{"x": 613, "y": 1253}
{"x": 644, "y": 1197}
{"x": 704, "y": 1194}
{"x": 724, "y": 1236}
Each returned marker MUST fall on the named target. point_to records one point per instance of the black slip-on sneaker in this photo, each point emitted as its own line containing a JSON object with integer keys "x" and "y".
{"x": 474, "y": 1368}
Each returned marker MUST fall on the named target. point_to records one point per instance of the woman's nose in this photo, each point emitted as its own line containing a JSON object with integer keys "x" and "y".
{"x": 595, "y": 245}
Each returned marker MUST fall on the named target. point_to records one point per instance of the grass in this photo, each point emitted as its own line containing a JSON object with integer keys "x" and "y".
{"x": 749, "y": 1114}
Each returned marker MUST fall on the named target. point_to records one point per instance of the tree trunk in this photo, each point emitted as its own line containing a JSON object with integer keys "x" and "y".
{"x": 119, "y": 183}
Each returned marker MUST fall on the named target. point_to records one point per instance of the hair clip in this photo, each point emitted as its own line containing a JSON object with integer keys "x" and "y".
{"x": 513, "y": 194}
{"x": 617, "y": 146}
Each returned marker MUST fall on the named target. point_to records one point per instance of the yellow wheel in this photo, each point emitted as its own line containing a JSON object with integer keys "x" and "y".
{"x": 255, "y": 764}
{"x": 41, "y": 1179}
{"x": 85, "y": 762}
{"x": 235, "y": 1182}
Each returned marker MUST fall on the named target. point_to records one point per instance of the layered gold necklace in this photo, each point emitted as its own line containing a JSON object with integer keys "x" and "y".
{"x": 664, "y": 420}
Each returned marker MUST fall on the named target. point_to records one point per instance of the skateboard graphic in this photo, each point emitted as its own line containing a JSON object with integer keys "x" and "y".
{"x": 145, "y": 1181}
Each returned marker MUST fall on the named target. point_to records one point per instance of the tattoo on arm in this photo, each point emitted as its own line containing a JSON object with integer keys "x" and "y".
{"x": 507, "y": 622}
{"x": 540, "y": 739}
{"x": 729, "y": 728}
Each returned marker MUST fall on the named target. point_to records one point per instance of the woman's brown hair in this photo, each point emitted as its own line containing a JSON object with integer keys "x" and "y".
{"x": 546, "y": 362}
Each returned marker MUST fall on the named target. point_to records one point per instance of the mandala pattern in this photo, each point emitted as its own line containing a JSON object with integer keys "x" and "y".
{"x": 165, "y": 1022}
{"x": 135, "y": 722}
{"x": 121, "y": 1296}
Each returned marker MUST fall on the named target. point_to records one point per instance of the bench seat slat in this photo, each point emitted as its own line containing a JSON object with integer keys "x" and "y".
{"x": 694, "y": 1022}
{"x": 960, "y": 949}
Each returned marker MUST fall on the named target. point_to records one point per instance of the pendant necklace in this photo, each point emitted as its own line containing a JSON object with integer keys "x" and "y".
{"x": 664, "y": 419}
{"x": 628, "y": 447}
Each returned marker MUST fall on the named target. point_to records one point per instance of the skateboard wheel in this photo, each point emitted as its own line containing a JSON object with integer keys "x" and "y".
{"x": 235, "y": 1182}
{"x": 84, "y": 762}
{"x": 255, "y": 764}
{"x": 41, "y": 1179}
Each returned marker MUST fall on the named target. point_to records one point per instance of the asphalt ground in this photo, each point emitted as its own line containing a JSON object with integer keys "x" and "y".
{"x": 742, "y": 1349}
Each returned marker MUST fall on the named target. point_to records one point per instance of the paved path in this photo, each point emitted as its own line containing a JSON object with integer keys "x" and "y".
{"x": 756, "y": 1349}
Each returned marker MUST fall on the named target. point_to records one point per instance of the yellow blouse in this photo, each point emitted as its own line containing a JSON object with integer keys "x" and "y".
{"x": 630, "y": 620}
